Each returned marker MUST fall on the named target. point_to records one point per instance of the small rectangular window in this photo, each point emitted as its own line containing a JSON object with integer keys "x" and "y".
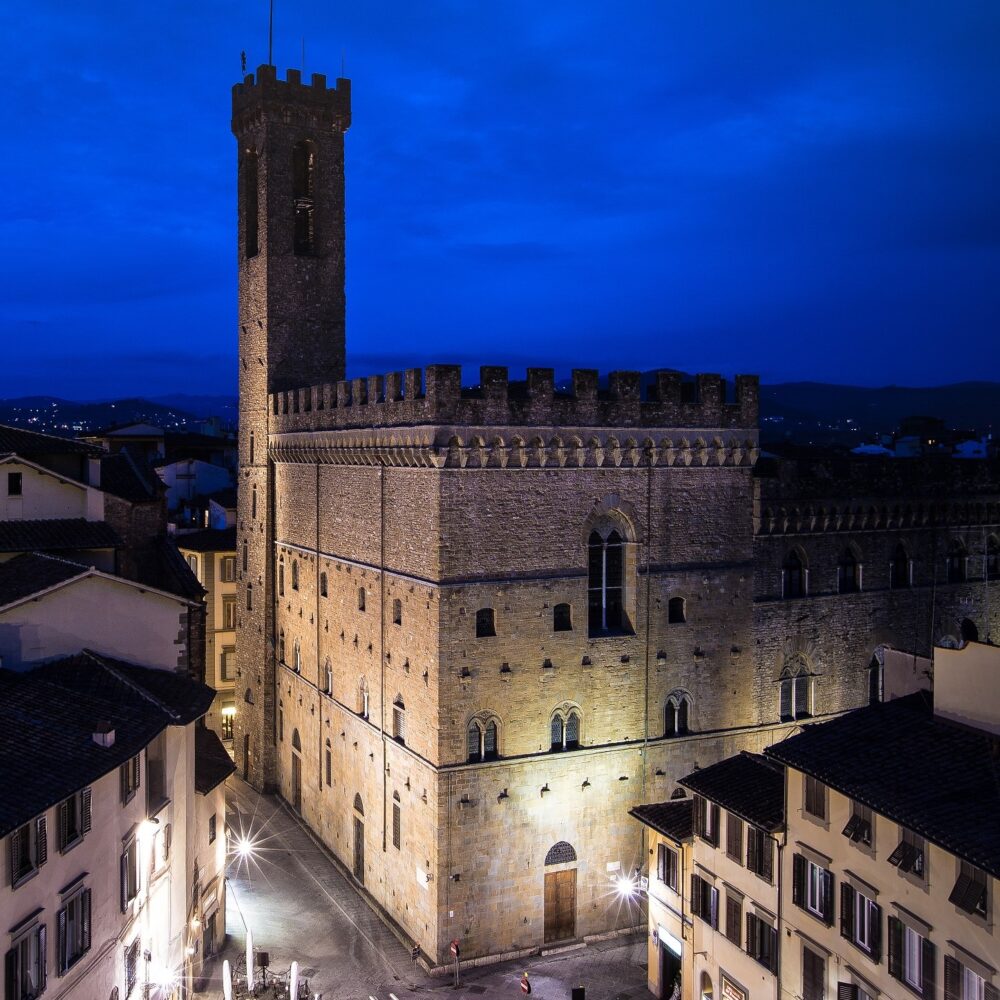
{"x": 25, "y": 966}
{"x": 15, "y": 484}
{"x": 211, "y": 829}
{"x": 909, "y": 854}
{"x": 129, "y": 871}
{"x": 859, "y": 826}
{"x": 970, "y": 891}
{"x": 228, "y": 569}
{"x": 131, "y": 966}
{"x": 129, "y": 778}
{"x": 734, "y": 838}
{"x": 813, "y": 975}
{"x": 815, "y": 797}
{"x": 74, "y": 819}
{"x": 396, "y": 826}
{"x": 227, "y": 661}
{"x": 73, "y": 926}
{"x": 734, "y": 918}
{"x": 666, "y": 866}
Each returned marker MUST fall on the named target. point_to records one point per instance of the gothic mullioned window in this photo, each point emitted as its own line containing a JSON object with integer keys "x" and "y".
{"x": 796, "y": 684}
{"x": 677, "y": 715}
{"x": 606, "y": 582}
{"x": 565, "y": 730}
{"x": 482, "y": 740}
{"x": 848, "y": 573}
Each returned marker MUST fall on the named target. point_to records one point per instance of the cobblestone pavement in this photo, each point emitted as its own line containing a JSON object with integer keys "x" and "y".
{"x": 301, "y": 905}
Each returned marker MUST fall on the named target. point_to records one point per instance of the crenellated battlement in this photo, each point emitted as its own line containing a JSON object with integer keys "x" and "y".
{"x": 435, "y": 396}
{"x": 331, "y": 105}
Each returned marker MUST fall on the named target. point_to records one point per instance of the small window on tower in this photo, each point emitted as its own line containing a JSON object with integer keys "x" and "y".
{"x": 250, "y": 203}
{"x": 303, "y": 197}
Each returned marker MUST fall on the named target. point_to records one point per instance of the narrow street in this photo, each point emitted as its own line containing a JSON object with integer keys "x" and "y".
{"x": 300, "y": 906}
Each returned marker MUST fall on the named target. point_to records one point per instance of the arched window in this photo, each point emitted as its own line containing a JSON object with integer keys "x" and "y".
{"x": 560, "y": 854}
{"x": 297, "y": 662}
{"x": 281, "y": 579}
{"x": 796, "y": 691}
{"x": 794, "y": 577}
{"x": 250, "y": 202}
{"x": 676, "y": 715}
{"x": 676, "y": 611}
{"x": 848, "y": 573}
{"x": 396, "y": 820}
{"x": 295, "y": 574}
{"x": 900, "y": 574}
{"x": 303, "y": 196}
{"x": 562, "y": 618}
{"x": 322, "y": 585}
{"x": 359, "y": 806}
{"x": 362, "y": 598}
{"x": 565, "y": 730}
{"x": 296, "y": 741}
{"x": 281, "y": 645}
{"x": 397, "y": 612}
{"x": 970, "y": 631}
{"x": 486, "y": 626}
{"x": 875, "y": 679}
{"x": 328, "y": 676}
{"x": 248, "y": 696}
{"x": 399, "y": 720}
{"x": 992, "y": 558}
{"x": 482, "y": 741}
{"x": 606, "y": 583}
{"x": 956, "y": 562}
{"x": 328, "y": 751}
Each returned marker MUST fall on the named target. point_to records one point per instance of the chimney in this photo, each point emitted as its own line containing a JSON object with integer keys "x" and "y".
{"x": 104, "y": 734}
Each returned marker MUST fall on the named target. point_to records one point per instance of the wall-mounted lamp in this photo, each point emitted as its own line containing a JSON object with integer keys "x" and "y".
{"x": 586, "y": 783}
{"x": 503, "y": 795}
{"x": 545, "y": 788}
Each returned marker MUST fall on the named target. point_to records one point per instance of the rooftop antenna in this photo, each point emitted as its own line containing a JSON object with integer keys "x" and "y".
{"x": 270, "y": 36}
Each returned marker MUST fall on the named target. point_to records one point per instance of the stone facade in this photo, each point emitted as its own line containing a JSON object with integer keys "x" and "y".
{"x": 418, "y": 573}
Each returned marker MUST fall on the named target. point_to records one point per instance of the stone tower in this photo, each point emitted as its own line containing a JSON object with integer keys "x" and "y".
{"x": 291, "y": 321}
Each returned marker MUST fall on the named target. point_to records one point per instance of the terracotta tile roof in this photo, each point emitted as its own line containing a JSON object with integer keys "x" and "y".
{"x": 672, "y": 819}
{"x": 938, "y": 779}
{"x": 57, "y": 534}
{"x": 31, "y": 443}
{"x": 749, "y": 785}
{"x": 212, "y": 764}
{"x": 34, "y": 572}
{"x": 48, "y": 717}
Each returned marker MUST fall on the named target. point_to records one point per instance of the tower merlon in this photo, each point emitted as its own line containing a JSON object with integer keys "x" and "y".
{"x": 436, "y": 396}
{"x": 264, "y": 90}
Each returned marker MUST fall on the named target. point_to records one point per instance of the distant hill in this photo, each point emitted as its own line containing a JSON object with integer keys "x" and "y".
{"x": 67, "y": 418}
{"x": 202, "y": 407}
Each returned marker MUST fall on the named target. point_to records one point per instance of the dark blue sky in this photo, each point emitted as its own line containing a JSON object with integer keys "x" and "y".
{"x": 804, "y": 190}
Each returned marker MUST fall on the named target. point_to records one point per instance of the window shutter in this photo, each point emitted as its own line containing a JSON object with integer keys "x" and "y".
{"x": 734, "y": 914}
{"x": 712, "y": 905}
{"x": 696, "y": 895}
{"x": 772, "y": 945}
{"x": 990, "y": 992}
{"x": 813, "y": 974}
{"x": 63, "y": 825}
{"x": 753, "y": 850}
{"x": 767, "y": 856}
{"x": 136, "y": 771}
{"x": 798, "y": 880}
{"x": 828, "y": 898}
{"x": 876, "y": 935}
{"x": 715, "y": 824}
{"x": 846, "y": 912}
{"x": 895, "y": 948}
{"x": 61, "y": 961}
{"x": 734, "y": 837}
{"x": 41, "y": 841}
{"x": 14, "y": 850}
{"x": 930, "y": 953}
{"x": 698, "y": 815}
{"x": 85, "y": 798}
{"x": 42, "y": 959}
{"x": 124, "y": 879}
{"x": 85, "y": 919}
{"x": 752, "y": 949}
{"x": 952, "y": 978}
{"x": 847, "y": 991}
{"x": 123, "y": 773}
{"x": 10, "y": 973}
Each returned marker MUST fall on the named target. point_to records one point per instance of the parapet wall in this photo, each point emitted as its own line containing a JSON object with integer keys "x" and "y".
{"x": 330, "y": 105}
{"x": 435, "y": 396}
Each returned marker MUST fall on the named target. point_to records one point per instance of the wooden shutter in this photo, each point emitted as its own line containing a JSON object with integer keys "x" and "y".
{"x": 42, "y": 957}
{"x": 698, "y": 816}
{"x": 813, "y": 974}
{"x": 798, "y": 880}
{"x": 753, "y": 948}
{"x": 753, "y": 849}
{"x": 767, "y": 857}
{"x": 14, "y": 850}
{"x": 123, "y": 773}
{"x": 671, "y": 869}
{"x": 123, "y": 870}
{"x": 136, "y": 771}
{"x": 63, "y": 825}
{"x": 10, "y": 973}
{"x": 734, "y": 919}
{"x": 827, "y": 877}
{"x": 846, "y": 911}
{"x": 734, "y": 837}
{"x": 85, "y": 802}
{"x": 41, "y": 841}
{"x": 876, "y": 932}
{"x": 847, "y": 991}
{"x": 696, "y": 896}
{"x": 714, "y": 839}
{"x": 661, "y": 862}
{"x": 929, "y": 955}
{"x": 85, "y": 920}
{"x": 952, "y": 978}
{"x": 62, "y": 963}
{"x": 990, "y": 992}
{"x": 895, "y": 948}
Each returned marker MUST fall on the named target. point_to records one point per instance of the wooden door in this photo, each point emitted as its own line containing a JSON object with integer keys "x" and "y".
{"x": 296, "y": 782}
{"x": 359, "y": 850}
{"x": 560, "y": 905}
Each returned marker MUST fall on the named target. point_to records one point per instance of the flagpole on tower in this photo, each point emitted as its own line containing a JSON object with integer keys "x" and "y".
{"x": 270, "y": 36}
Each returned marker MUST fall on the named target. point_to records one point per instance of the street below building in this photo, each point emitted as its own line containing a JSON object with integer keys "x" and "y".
{"x": 301, "y": 906}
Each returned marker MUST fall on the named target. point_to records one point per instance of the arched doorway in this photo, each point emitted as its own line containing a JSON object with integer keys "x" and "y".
{"x": 296, "y": 772}
{"x": 560, "y": 892}
{"x": 359, "y": 840}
